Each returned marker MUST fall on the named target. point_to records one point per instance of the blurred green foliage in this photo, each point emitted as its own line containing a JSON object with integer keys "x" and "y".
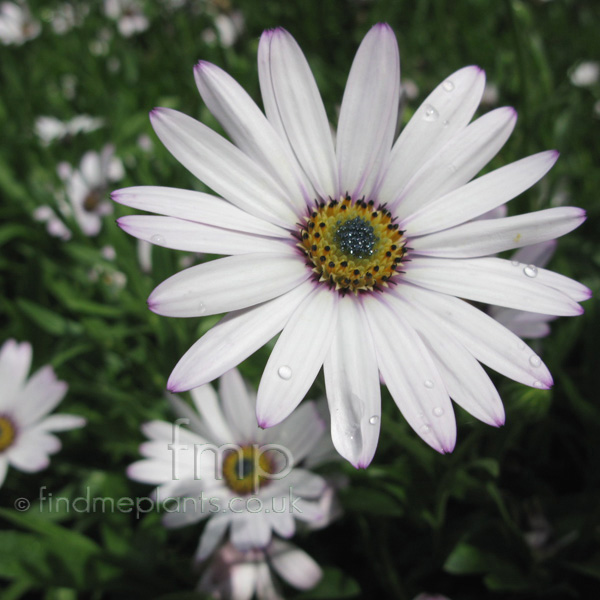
{"x": 512, "y": 513}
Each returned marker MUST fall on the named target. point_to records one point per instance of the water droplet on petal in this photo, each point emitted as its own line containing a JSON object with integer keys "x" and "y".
{"x": 448, "y": 85}
{"x": 538, "y": 384}
{"x": 429, "y": 113}
{"x": 201, "y": 309}
{"x": 521, "y": 346}
{"x": 425, "y": 429}
{"x": 374, "y": 420}
{"x": 438, "y": 411}
{"x": 157, "y": 239}
{"x": 285, "y": 372}
{"x": 530, "y": 271}
{"x": 446, "y": 123}
{"x": 535, "y": 361}
{"x": 428, "y": 383}
{"x": 515, "y": 263}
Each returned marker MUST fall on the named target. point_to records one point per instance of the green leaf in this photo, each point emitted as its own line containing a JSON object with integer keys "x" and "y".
{"x": 467, "y": 560}
{"x": 48, "y": 320}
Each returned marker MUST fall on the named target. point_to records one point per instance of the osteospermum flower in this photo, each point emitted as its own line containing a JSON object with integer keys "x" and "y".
{"x": 359, "y": 253}
{"x": 225, "y": 468}
{"x": 17, "y": 26}
{"x": 26, "y": 430}
{"x": 235, "y": 575}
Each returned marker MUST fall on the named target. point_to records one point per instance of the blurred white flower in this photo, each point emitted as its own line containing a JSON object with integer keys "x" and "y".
{"x": 108, "y": 252}
{"x": 49, "y": 129}
{"x": 585, "y": 74}
{"x": 228, "y": 28}
{"x": 144, "y": 253}
{"x": 226, "y": 470}
{"x": 66, "y": 16}
{"x": 235, "y": 575}
{"x": 410, "y": 90}
{"x": 101, "y": 44}
{"x": 425, "y": 596}
{"x": 491, "y": 94}
{"x": 26, "y": 432}
{"x": 128, "y": 14}
{"x": 54, "y": 226}
{"x": 145, "y": 143}
{"x": 17, "y": 26}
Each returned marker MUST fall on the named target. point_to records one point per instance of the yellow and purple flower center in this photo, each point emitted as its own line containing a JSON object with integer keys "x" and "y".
{"x": 8, "y": 433}
{"x": 247, "y": 469}
{"x": 354, "y": 246}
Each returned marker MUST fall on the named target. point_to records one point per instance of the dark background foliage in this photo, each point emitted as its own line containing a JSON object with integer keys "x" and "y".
{"x": 512, "y": 513}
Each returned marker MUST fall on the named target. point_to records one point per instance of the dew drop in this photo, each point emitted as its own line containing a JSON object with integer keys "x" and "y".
{"x": 157, "y": 239}
{"x": 446, "y": 123}
{"x": 515, "y": 263}
{"x": 538, "y": 384}
{"x": 285, "y": 372}
{"x": 438, "y": 411}
{"x": 425, "y": 429}
{"x": 374, "y": 420}
{"x": 521, "y": 346}
{"x": 530, "y": 271}
{"x": 428, "y": 384}
{"x": 448, "y": 85}
{"x": 535, "y": 361}
{"x": 201, "y": 309}
{"x": 430, "y": 114}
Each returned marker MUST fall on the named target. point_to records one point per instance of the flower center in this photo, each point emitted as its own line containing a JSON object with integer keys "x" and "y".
{"x": 353, "y": 246}
{"x": 8, "y": 433}
{"x": 92, "y": 200}
{"x": 247, "y": 469}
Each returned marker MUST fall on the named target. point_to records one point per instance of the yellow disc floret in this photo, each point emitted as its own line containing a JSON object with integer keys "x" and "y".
{"x": 352, "y": 245}
{"x": 7, "y": 433}
{"x": 247, "y": 469}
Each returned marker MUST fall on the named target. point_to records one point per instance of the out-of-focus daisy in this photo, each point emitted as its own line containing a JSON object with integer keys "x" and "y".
{"x": 225, "y": 468}
{"x": 527, "y": 324}
{"x": 358, "y": 254}
{"x": 87, "y": 185}
{"x": 17, "y": 26}
{"x": 228, "y": 28}
{"x": 66, "y": 16}
{"x": 26, "y": 431}
{"x": 585, "y": 74}
{"x": 235, "y": 575}
{"x": 129, "y": 15}
{"x": 54, "y": 225}
{"x": 49, "y": 129}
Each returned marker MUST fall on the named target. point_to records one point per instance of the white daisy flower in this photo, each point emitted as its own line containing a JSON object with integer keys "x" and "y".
{"x": 17, "y": 26}
{"x": 235, "y": 575}
{"x": 585, "y": 74}
{"x": 359, "y": 254}
{"x": 225, "y": 468}
{"x": 26, "y": 430}
{"x": 527, "y": 324}
{"x": 129, "y": 15}
{"x": 49, "y": 129}
{"x": 86, "y": 187}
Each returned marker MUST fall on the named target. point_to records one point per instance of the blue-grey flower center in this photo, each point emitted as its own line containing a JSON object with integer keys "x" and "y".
{"x": 356, "y": 237}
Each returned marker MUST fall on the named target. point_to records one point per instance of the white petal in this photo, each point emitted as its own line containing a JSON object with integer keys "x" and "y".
{"x": 411, "y": 376}
{"x": 197, "y": 207}
{"x": 62, "y": 422}
{"x": 301, "y": 482}
{"x": 538, "y": 254}
{"x": 184, "y": 411}
{"x": 29, "y": 453}
{"x": 300, "y": 432}
{"x": 427, "y": 132}
{"x": 487, "y": 340}
{"x": 299, "y": 108}
{"x": 352, "y": 383}
{"x": 41, "y": 394}
{"x": 152, "y": 471}
{"x": 250, "y": 130}
{"x": 466, "y": 381}
{"x": 575, "y": 290}
{"x": 3, "y": 468}
{"x": 281, "y": 519}
{"x": 222, "y": 166}
{"x": 233, "y": 339}
{"x": 196, "y": 237}
{"x": 227, "y": 284}
{"x": 211, "y": 537}
{"x": 15, "y": 361}
{"x": 457, "y": 162}
{"x": 239, "y": 409}
{"x": 369, "y": 111}
{"x": 481, "y": 195}
{"x": 524, "y": 324}
{"x": 250, "y": 530}
{"x": 490, "y": 280}
{"x": 482, "y": 238}
{"x": 294, "y": 566}
{"x": 207, "y": 404}
{"x": 297, "y": 357}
